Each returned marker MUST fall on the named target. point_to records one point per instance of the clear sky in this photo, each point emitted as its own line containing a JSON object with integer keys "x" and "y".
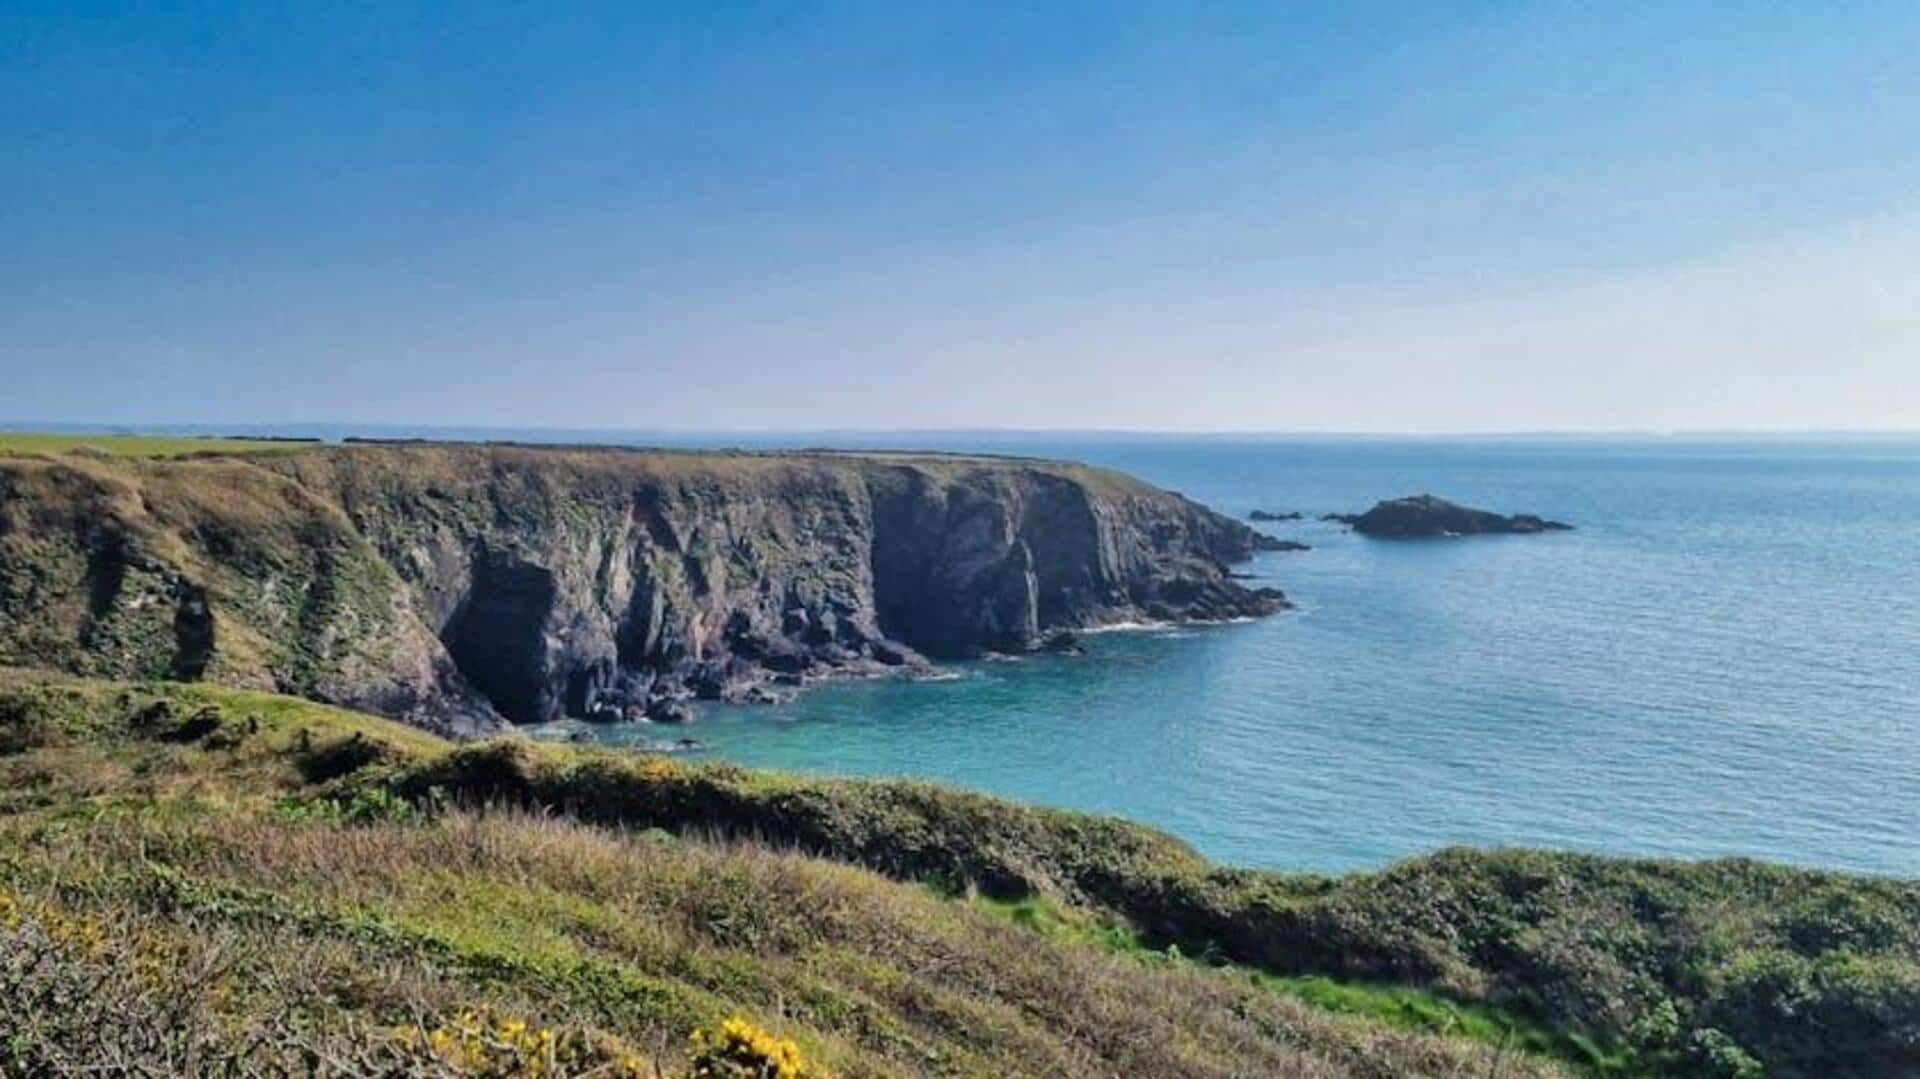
{"x": 1266, "y": 216}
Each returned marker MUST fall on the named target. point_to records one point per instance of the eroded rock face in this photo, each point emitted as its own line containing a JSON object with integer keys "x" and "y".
{"x": 462, "y": 585}
{"x": 497, "y": 638}
{"x": 1425, "y": 515}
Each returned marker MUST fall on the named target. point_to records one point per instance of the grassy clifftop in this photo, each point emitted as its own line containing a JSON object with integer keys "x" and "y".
{"x": 354, "y": 873}
{"x": 465, "y": 586}
{"x": 115, "y": 445}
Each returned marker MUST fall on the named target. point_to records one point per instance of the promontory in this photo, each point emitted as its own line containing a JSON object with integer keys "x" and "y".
{"x": 464, "y": 586}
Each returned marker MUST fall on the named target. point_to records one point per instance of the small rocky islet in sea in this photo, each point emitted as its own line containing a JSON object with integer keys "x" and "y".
{"x": 1423, "y": 516}
{"x": 1265, "y": 542}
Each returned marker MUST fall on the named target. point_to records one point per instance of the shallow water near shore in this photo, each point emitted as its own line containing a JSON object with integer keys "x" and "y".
{"x": 1723, "y": 659}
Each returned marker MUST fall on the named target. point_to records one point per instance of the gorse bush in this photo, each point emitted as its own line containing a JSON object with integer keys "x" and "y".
{"x": 737, "y": 1049}
{"x": 78, "y": 1003}
{"x": 75, "y": 999}
{"x": 363, "y": 805}
{"x": 486, "y": 1045}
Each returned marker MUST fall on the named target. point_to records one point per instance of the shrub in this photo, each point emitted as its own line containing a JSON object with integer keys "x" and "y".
{"x": 74, "y": 1002}
{"x": 1717, "y": 1055}
{"x": 319, "y": 764}
{"x": 364, "y": 805}
{"x": 737, "y": 1049}
{"x": 487, "y": 1045}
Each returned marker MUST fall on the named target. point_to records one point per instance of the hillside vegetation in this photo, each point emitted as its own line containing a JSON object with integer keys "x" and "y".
{"x": 207, "y": 880}
{"x": 273, "y": 877}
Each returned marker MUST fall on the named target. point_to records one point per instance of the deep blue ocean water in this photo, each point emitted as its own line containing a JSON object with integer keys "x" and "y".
{"x": 1724, "y": 658}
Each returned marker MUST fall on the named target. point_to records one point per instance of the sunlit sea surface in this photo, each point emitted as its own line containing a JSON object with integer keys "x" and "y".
{"x": 1723, "y": 659}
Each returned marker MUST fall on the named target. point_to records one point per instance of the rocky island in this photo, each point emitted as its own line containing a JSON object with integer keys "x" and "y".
{"x": 1421, "y": 516}
{"x": 463, "y": 587}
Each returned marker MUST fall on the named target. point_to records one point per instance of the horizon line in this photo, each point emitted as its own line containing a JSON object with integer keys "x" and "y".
{"x": 215, "y": 428}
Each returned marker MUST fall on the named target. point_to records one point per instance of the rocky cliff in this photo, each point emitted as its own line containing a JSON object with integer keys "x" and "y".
{"x": 458, "y": 586}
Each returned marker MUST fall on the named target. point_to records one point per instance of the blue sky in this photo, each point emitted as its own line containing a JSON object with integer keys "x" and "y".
{"x": 1279, "y": 216}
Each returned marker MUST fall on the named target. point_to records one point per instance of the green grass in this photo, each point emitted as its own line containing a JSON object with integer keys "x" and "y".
{"x": 1417, "y": 1008}
{"x": 114, "y": 445}
{"x": 1399, "y": 1005}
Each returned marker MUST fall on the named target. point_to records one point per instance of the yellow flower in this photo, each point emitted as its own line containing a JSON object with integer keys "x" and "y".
{"x": 658, "y": 768}
{"x": 740, "y": 1050}
{"x": 480, "y": 1043}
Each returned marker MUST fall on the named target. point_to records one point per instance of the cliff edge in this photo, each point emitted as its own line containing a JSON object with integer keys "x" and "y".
{"x": 460, "y": 586}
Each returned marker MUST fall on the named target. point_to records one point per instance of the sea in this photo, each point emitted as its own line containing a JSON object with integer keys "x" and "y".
{"x": 1722, "y": 659}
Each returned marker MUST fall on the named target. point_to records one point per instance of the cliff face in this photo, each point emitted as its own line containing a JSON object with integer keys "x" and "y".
{"x": 459, "y": 585}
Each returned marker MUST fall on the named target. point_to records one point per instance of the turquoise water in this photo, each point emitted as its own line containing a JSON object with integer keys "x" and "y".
{"x": 1723, "y": 659}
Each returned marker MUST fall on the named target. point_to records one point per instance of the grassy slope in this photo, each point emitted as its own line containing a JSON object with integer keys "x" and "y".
{"x": 229, "y": 868}
{"x": 1709, "y": 968}
{"x": 1713, "y": 967}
